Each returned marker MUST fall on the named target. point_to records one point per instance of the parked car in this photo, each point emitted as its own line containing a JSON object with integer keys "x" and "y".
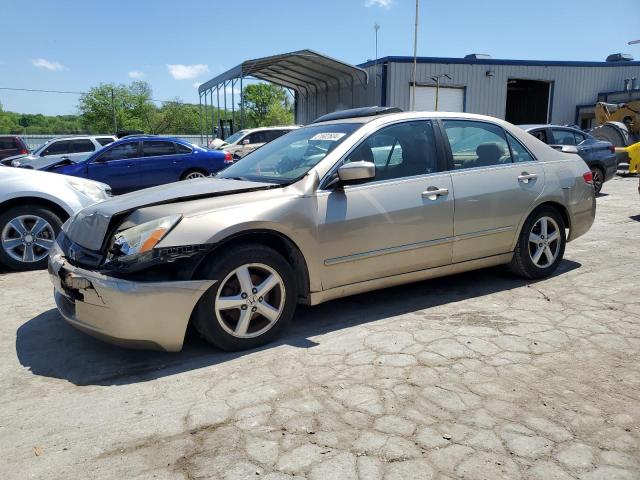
{"x": 599, "y": 155}
{"x": 349, "y": 204}
{"x": 140, "y": 162}
{"x": 12, "y": 145}
{"x": 246, "y": 141}
{"x": 73, "y": 149}
{"x": 33, "y": 206}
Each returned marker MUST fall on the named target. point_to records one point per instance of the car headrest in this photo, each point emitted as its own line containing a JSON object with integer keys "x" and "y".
{"x": 490, "y": 149}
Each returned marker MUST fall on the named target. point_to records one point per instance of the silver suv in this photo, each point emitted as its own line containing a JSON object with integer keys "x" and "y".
{"x": 59, "y": 149}
{"x": 349, "y": 204}
{"x": 246, "y": 141}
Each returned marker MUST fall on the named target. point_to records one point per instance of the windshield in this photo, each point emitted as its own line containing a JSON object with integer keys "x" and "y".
{"x": 236, "y": 136}
{"x": 288, "y": 158}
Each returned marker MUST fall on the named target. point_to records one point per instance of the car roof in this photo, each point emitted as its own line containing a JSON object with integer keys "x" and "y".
{"x": 151, "y": 137}
{"x": 547, "y": 125}
{"x": 283, "y": 127}
{"x": 411, "y": 115}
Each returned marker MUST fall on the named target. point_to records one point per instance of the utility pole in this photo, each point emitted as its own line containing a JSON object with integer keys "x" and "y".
{"x": 113, "y": 110}
{"x": 376, "y": 27}
{"x": 415, "y": 62}
{"x": 437, "y": 80}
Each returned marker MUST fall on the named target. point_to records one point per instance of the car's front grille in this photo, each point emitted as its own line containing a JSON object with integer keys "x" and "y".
{"x": 77, "y": 255}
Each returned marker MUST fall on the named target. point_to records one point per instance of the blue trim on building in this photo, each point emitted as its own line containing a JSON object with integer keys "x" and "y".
{"x": 492, "y": 61}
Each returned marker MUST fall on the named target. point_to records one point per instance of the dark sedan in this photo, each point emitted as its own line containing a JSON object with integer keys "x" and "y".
{"x": 140, "y": 162}
{"x": 598, "y": 154}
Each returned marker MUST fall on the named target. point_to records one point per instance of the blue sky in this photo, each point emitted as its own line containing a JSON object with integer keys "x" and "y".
{"x": 65, "y": 45}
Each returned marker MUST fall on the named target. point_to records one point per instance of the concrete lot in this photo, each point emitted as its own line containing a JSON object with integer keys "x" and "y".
{"x": 477, "y": 376}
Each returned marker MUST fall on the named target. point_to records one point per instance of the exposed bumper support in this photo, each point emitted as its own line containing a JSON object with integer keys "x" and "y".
{"x": 131, "y": 314}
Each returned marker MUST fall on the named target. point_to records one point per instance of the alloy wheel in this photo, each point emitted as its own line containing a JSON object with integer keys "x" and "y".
{"x": 27, "y": 238}
{"x": 598, "y": 180}
{"x": 250, "y": 300}
{"x": 193, "y": 175}
{"x": 544, "y": 242}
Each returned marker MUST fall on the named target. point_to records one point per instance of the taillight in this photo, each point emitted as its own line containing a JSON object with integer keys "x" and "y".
{"x": 612, "y": 149}
{"x": 24, "y": 151}
{"x": 227, "y": 157}
{"x": 588, "y": 177}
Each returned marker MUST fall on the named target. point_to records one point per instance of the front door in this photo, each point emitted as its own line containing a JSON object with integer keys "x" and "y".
{"x": 117, "y": 167}
{"x": 495, "y": 180}
{"x": 401, "y": 221}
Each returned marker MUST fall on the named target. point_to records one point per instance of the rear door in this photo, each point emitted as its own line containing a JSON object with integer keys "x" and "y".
{"x": 495, "y": 181}
{"x": 117, "y": 167}
{"x": 159, "y": 163}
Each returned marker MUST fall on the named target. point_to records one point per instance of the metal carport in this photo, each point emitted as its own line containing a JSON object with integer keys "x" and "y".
{"x": 320, "y": 83}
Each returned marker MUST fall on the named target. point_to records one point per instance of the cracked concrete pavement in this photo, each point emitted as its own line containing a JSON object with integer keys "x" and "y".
{"x": 475, "y": 376}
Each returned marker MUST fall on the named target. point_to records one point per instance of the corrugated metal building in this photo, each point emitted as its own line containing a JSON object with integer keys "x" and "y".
{"x": 520, "y": 91}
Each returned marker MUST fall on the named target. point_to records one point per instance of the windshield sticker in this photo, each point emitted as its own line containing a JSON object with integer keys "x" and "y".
{"x": 328, "y": 136}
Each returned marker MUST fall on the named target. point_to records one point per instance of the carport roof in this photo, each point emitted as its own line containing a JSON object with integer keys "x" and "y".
{"x": 295, "y": 70}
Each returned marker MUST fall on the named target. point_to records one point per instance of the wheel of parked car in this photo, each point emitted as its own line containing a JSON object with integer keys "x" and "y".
{"x": 27, "y": 234}
{"x": 541, "y": 244}
{"x": 252, "y": 301}
{"x": 598, "y": 178}
{"x": 191, "y": 174}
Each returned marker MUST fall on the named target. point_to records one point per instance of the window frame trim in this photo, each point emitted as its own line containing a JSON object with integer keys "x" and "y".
{"x": 440, "y": 156}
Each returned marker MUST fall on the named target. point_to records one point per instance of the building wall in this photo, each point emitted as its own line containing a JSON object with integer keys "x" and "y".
{"x": 572, "y": 85}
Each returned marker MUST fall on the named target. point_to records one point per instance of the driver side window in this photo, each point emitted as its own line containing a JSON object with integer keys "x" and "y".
{"x": 401, "y": 150}
{"x": 120, "y": 152}
{"x": 476, "y": 144}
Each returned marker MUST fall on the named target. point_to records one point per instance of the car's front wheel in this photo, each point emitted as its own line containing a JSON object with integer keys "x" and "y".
{"x": 252, "y": 301}
{"x": 540, "y": 247}
{"x": 27, "y": 234}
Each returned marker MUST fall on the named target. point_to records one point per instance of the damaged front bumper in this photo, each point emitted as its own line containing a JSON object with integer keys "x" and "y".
{"x": 152, "y": 315}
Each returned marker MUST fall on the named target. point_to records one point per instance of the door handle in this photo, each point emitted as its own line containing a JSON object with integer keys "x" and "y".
{"x": 129, "y": 165}
{"x": 525, "y": 177}
{"x": 433, "y": 193}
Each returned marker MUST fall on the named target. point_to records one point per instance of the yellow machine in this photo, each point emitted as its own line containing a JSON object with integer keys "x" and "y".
{"x": 620, "y": 125}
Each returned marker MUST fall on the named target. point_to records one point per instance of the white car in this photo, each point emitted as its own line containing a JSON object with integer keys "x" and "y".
{"x": 71, "y": 149}
{"x": 243, "y": 142}
{"x": 33, "y": 206}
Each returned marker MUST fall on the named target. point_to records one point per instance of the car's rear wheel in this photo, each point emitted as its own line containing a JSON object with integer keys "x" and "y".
{"x": 541, "y": 244}
{"x": 191, "y": 174}
{"x": 27, "y": 234}
{"x": 252, "y": 301}
{"x": 598, "y": 178}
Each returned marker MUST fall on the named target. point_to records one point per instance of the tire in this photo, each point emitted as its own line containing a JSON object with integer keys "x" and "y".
{"x": 193, "y": 173}
{"x": 523, "y": 262}
{"x": 21, "y": 247}
{"x": 598, "y": 179}
{"x": 223, "y": 327}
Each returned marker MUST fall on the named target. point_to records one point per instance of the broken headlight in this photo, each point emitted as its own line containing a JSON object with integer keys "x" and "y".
{"x": 137, "y": 241}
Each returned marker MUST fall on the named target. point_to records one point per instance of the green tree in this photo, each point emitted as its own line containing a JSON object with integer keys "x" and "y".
{"x": 266, "y": 104}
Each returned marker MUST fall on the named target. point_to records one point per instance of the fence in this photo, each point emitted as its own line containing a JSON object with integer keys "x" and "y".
{"x": 34, "y": 141}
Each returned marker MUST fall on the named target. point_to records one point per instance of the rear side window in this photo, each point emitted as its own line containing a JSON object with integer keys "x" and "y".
{"x": 182, "y": 149}
{"x": 9, "y": 143}
{"x": 518, "y": 152}
{"x": 157, "y": 148}
{"x": 476, "y": 144}
{"x": 82, "y": 146}
{"x": 58, "y": 148}
{"x": 540, "y": 135}
{"x": 120, "y": 152}
{"x": 258, "y": 137}
{"x": 104, "y": 140}
{"x": 579, "y": 137}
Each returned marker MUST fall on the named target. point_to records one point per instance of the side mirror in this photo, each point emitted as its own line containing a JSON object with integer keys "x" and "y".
{"x": 245, "y": 141}
{"x": 354, "y": 172}
{"x": 569, "y": 149}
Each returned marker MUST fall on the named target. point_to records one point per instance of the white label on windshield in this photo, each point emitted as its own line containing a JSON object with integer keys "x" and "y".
{"x": 328, "y": 136}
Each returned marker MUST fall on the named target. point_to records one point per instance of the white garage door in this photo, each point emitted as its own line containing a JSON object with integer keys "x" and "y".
{"x": 450, "y": 99}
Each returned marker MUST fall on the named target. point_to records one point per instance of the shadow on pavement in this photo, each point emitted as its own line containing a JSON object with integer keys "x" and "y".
{"x": 51, "y": 348}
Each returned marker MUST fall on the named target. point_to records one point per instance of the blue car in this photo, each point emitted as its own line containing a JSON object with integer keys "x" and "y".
{"x": 144, "y": 161}
{"x": 599, "y": 155}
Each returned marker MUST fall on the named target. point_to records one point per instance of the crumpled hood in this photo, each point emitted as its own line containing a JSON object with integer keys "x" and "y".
{"x": 40, "y": 163}
{"x": 89, "y": 226}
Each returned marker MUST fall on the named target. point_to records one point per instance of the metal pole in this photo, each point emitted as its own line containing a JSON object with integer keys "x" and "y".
{"x": 218, "y": 106}
{"x": 233, "y": 105}
{"x": 200, "y": 110}
{"x": 437, "y": 91}
{"x": 376, "y": 27}
{"x": 415, "y": 61}
{"x": 113, "y": 109}
{"x": 225, "y": 107}
{"x": 241, "y": 104}
{"x": 206, "y": 118}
